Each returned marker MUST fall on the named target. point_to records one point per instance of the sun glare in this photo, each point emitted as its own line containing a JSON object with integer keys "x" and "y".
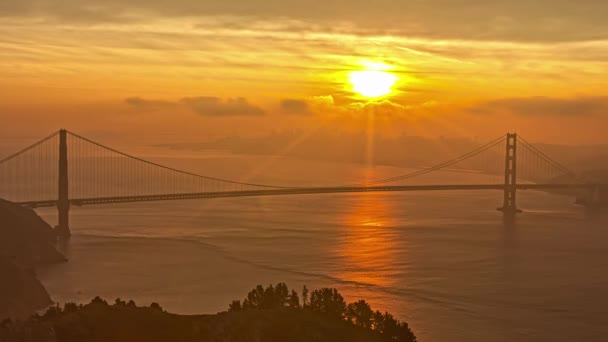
{"x": 372, "y": 83}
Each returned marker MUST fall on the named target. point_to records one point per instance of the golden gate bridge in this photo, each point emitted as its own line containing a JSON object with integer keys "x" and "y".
{"x": 66, "y": 169}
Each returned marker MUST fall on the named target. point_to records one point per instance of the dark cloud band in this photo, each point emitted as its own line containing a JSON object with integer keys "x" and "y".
{"x": 515, "y": 20}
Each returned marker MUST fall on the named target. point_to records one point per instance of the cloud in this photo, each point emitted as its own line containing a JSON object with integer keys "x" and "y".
{"x": 384, "y": 108}
{"x": 323, "y": 100}
{"x": 515, "y": 20}
{"x": 202, "y": 105}
{"x": 296, "y": 107}
{"x": 546, "y": 106}
{"x": 215, "y": 106}
{"x": 149, "y": 104}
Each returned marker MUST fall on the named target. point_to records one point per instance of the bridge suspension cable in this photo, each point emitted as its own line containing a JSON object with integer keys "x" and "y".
{"x": 25, "y": 150}
{"x": 545, "y": 157}
{"x": 441, "y": 166}
{"x": 31, "y": 173}
{"x": 173, "y": 169}
{"x": 100, "y": 172}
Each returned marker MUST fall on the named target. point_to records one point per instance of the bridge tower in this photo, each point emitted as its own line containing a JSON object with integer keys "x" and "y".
{"x": 509, "y": 207}
{"x": 63, "y": 201}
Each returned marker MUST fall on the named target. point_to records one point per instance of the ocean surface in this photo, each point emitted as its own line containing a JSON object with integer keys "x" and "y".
{"x": 445, "y": 262}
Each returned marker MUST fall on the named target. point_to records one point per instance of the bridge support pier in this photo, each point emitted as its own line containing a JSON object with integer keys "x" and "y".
{"x": 509, "y": 207}
{"x": 597, "y": 197}
{"x": 63, "y": 202}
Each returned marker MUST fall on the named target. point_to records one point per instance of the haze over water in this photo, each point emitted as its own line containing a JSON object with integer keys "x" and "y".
{"x": 252, "y": 91}
{"x": 443, "y": 261}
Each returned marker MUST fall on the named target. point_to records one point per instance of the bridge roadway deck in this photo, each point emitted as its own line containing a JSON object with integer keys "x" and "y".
{"x": 302, "y": 191}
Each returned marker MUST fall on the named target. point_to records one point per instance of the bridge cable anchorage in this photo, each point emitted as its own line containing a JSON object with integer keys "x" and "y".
{"x": 443, "y": 165}
{"x": 176, "y": 170}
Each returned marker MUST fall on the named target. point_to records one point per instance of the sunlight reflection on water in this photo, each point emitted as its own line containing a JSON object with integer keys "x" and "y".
{"x": 443, "y": 261}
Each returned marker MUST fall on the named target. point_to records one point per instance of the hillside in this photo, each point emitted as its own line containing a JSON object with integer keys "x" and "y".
{"x": 101, "y": 323}
{"x": 26, "y": 241}
{"x": 267, "y": 314}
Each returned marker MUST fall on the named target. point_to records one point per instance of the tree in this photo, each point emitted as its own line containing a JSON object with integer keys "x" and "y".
{"x": 294, "y": 300}
{"x": 405, "y": 334}
{"x": 255, "y": 298}
{"x": 99, "y": 301}
{"x": 386, "y": 325}
{"x": 328, "y": 301}
{"x": 235, "y": 306}
{"x": 360, "y": 313}
{"x": 391, "y": 326}
{"x": 378, "y": 322}
{"x": 269, "y": 298}
{"x": 272, "y": 297}
{"x": 70, "y": 307}
{"x": 156, "y": 306}
{"x": 305, "y": 296}
{"x": 53, "y": 311}
{"x": 280, "y": 295}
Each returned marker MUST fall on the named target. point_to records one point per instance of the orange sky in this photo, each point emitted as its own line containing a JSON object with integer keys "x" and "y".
{"x": 190, "y": 69}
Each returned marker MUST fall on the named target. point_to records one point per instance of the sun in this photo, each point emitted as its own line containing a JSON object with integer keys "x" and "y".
{"x": 372, "y": 83}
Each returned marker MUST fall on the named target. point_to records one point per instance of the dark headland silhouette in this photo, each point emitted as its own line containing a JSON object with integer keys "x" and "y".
{"x": 26, "y": 241}
{"x": 273, "y": 313}
{"x": 267, "y": 314}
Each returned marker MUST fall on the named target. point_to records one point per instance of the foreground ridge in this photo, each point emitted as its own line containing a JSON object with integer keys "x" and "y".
{"x": 267, "y": 314}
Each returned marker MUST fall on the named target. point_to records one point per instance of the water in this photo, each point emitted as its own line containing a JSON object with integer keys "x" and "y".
{"x": 443, "y": 261}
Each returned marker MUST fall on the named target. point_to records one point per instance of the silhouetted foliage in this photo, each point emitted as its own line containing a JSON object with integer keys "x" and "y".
{"x": 327, "y": 301}
{"x": 70, "y": 307}
{"x": 235, "y": 306}
{"x": 360, "y": 313}
{"x": 270, "y": 298}
{"x": 98, "y": 300}
{"x": 386, "y": 325}
{"x": 254, "y": 298}
{"x": 273, "y": 313}
{"x": 281, "y": 295}
{"x": 378, "y": 320}
{"x": 294, "y": 300}
{"x": 304, "y": 296}
{"x": 52, "y": 311}
{"x": 156, "y": 306}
